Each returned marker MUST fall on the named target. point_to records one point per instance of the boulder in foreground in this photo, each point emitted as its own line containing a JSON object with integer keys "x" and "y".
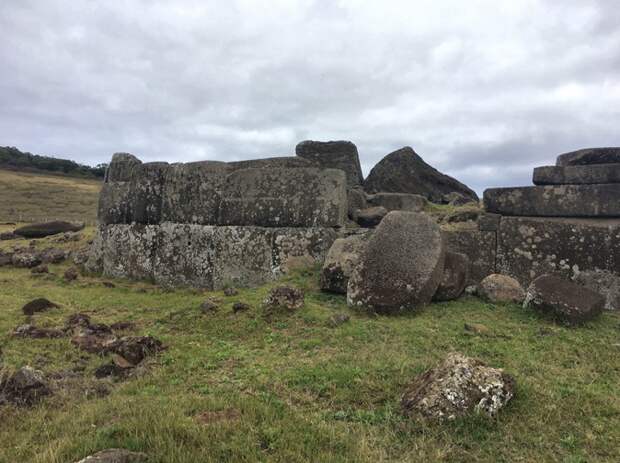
{"x": 501, "y": 288}
{"x": 563, "y": 300}
{"x": 401, "y": 267}
{"x": 41, "y": 230}
{"x": 341, "y": 259}
{"x": 404, "y": 171}
{"x": 457, "y": 387}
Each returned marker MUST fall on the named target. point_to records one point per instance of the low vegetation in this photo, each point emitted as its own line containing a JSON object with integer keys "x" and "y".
{"x": 14, "y": 159}
{"x": 36, "y": 197}
{"x": 257, "y": 386}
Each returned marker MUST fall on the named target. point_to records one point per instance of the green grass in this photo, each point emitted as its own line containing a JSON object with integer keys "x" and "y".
{"x": 288, "y": 388}
{"x": 38, "y": 197}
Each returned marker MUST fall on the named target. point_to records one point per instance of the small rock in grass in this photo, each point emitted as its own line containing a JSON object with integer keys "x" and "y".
{"x": 208, "y": 306}
{"x": 240, "y": 307}
{"x": 134, "y": 349}
{"x": 458, "y": 386}
{"x": 31, "y": 331}
{"x": 477, "y": 328}
{"x": 123, "y": 326}
{"x": 230, "y": 291}
{"x": 115, "y": 456}
{"x": 108, "y": 284}
{"x": 71, "y": 274}
{"x": 501, "y": 288}
{"x": 110, "y": 369}
{"x": 284, "y": 297}
{"x": 38, "y": 305}
{"x": 338, "y": 319}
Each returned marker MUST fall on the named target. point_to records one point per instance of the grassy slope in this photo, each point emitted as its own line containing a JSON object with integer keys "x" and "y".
{"x": 33, "y": 197}
{"x": 300, "y": 391}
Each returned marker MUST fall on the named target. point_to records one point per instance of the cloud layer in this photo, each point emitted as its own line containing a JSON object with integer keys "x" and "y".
{"x": 484, "y": 90}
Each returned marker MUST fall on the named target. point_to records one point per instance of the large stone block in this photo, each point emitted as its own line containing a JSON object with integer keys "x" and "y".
{"x": 555, "y": 201}
{"x": 589, "y": 156}
{"x": 334, "y": 155}
{"x": 128, "y": 250}
{"x": 478, "y": 245}
{"x": 580, "y": 175}
{"x": 184, "y": 255}
{"x": 272, "y": 163}
{"x": 532, "y": 246}
{"x": 115, "y": 203}
{"x": 243, "y": 256}
{"x": 146, "y": 192}
{"x": 191, "y": 192}
{"x": 291, "y": 197}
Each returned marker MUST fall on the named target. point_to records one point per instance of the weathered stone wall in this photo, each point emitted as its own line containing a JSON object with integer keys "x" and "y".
{"x": 204, "y": 256}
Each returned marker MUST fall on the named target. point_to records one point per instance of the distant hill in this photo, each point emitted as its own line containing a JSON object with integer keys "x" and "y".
{"x": 13, "y": 159}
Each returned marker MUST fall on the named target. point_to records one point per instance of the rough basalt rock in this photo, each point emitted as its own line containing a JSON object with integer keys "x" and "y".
{"x": 563, "y": 300}
{"x": 342, "y": 258}
{"x": 284, "y": 298}
{"x": 146, "y": 192}
{"x": 356, "y": 200}
{"x": 580, "y": 175}
{"x": 501, "y": 288}
{"x": 555, "y": 201}
{"x": 25, "y": 387}
{"x": 401, "y": 267}
{"x": 38, "y": 305}
{"x": 457, "y": 387}
{"x": 589, "y": 156}
{"x": 121, "y": 167}
{"x": 115, "y": 456}
{"x": 370, "y": 217}
{"x": 333, "y": 155}
{"x": 404, "y": 171}
{"x": 41, "y": 230}
{"x": 115, "y": 203}
{"x": 294, "y": 197}
{"x": 478, "y": 245}
{"x": 455, "y": 277}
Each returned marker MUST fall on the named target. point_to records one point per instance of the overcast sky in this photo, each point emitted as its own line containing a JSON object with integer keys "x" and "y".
{"x": 482, "y": 90}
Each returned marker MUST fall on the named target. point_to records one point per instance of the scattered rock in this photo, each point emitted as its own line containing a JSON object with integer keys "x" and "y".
{"x": 110, "y": 369}
{"x": 38, "y": 305}
{"x": 208, "y": 306}
{"x": 31, "y": 331}
{"x": 563, "y": 300}
{"x": 25, "y": 387}
{"x": 338, "y": 319}
{"x": 68, "y": 237}
{"x": 108, "y": 284}
{"x": 25, "y": 259}
{"x": 403, "y": 171}
{"x": 605, "y": 283}
{"x": 501, "y": 288}
{"x": 455, "y": 277}
{"x": 5, "y": 236}
{"x": 458, "y": 386}
{"x": 115, "y": 456}
{"x": 123, "y": 326}
{"x": 40, "y": 269}
{"x": 71, "y": 274}
{"x": 134, "y": 349}
{"x": 401, "y": 267}
{"x": 5, "y": 258}
{"x": 285, "y": 298}
{"x": 341, "y": 259}
{"x": 230, "y": 291}
{"x": 52, "y": 255}
{"x": 471, "y": 290}
{"x": 41, "y": 230}
{"x": 240, "y": 307}
{"x": 370, "y": 217}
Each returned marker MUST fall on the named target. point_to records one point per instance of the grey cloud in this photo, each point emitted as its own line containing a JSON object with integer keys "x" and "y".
{"x": 484, "y": 90}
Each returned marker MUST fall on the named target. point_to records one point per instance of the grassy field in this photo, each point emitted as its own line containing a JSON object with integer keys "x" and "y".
{"x": 245, "y": 387}
{"x": 34, "y": 197}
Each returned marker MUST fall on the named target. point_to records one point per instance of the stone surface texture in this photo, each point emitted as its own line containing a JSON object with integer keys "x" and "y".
{"x": 578, "y": 175}
{"x": 398, "y": 201}
{"x": 589, "y": 156}
{"x": 607, "y": 284}
{"x": 334, "y": 155}
{"x": 479, "y": 246}
{"x": 401, "y": 266}
{"x": 455, "y": 277}
{"x": 501, "y": 288}
{"x": 342, "y": 258}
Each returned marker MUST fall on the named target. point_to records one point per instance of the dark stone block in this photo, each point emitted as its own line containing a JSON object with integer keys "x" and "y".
{"x": 478, "y": 245}
{"x": 589, "y": 156}
{"x": 334, "y": 155}
{"x": 555, "y": 201}
{"x": 579, "y": 175}
{"x": 146, "y": 192}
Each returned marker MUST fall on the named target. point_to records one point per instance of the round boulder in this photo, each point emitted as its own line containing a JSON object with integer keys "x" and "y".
{"x": 401, "y": 266}
{"x": 501, "y": 288}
